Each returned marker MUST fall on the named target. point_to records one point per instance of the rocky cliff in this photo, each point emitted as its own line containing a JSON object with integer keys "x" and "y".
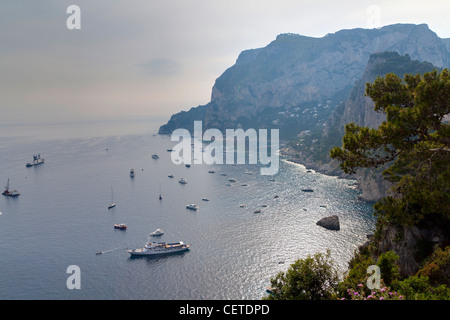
{"x": 309, "y": 88}
{"x": 296, "y": 82}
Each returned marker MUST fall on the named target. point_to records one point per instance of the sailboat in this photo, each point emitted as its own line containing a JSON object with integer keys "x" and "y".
{"x": 9, "y": 193}
{"x": 113, "y": 204}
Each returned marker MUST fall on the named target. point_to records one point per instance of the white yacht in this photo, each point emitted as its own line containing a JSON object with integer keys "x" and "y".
{"x": 157, "y": 232}
{"x": 155, "y": 248}
{"x": 192, "y": 207}
{"x": 37, "y": 160}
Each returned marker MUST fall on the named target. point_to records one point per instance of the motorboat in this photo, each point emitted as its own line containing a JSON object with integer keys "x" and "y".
{"x": 192, "y": 206}
{"x": 37, "y": 160}
{"x": 170, "y": 176}
{"x": 232, "y": 180}
{"x": 205, "y": 199}
{"x": 132, "y": 173}
{"x": 182, "y": 181}
{"x": 121, "y": 226}
{"x": 155, "y": 156}
{"x": 211, "y": 171}
{"x": 159, "y": 248}
{"x": 307, "y": 190}
{"x": 157, "y": 232}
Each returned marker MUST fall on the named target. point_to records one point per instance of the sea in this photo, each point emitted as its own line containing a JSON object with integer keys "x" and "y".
{"x": 61, "y": 217}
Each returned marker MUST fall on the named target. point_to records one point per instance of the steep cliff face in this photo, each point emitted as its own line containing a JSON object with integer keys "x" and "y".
{"x": 359, "y": 109}
{"x": 297, "y": 81}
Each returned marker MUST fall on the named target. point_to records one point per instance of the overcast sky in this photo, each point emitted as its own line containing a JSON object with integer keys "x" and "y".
{"x": 145, "y": 58}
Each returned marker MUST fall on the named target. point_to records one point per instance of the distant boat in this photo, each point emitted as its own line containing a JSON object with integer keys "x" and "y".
{"x": 157, "y": 232}
{"x": 160, "y": 195}
{"x": 223, "y": 174}
{"x": 307, "y": 190}
{"x": 192, "y": 207}
{"x": 211, "y": 171}
{"x": 232, "y": 180}
{"x": 182, "y": 181}
{"x": 169, "y": 150}
{"x": 205, "y": 199}
{"x": 155, "y": 156}
{"x": 132, "y": 173}
{"x": 113, "y": 204}
{"x": 188, "y": 165}
{"x": 37, "y": 160}
{"x": 121, "y": 226}
{"x": 9, "y": 193}
{"x": 257, "y": 211}
{"x": 171, "y": 176}
{"x": 248, "y": 172}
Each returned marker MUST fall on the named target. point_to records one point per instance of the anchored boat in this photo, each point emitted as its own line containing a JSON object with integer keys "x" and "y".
{"x": 159, "y": 248}
{"x": 9, "y": 193}
{"x": 37, "y": 160}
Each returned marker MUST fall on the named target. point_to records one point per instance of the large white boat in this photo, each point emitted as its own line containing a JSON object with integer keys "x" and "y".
{"x": 37, "y": 160}
{"x": 157, "y": 248}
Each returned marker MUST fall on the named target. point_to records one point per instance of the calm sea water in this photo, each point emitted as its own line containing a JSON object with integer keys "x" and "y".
{"x": 61, "y": 217}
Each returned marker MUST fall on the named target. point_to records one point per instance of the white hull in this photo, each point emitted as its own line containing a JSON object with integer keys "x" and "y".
{"x": 159, "y": 249}
{"x": 140, "y": 252}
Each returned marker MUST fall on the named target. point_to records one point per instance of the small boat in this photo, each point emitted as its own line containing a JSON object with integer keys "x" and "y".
{"x": 242, "y": 205}
{"x": 160, "y": 195}
{"x": 192, "y": 206}
{"x": 157, "y": 232}
{"x": 211, "y": 171}
{"x": 158, "y": 248}
{"x": 264, "y": 206}
{"x": 223, "y": 174}
{"x": 155, "y": 156}
{"x": 244, "y": 185}
{"x": 9, "y": 193}
{"x": 113, "y": 204}
{"x": 257, "y": 211}
{"x": 121, "y": 226}
{"x": 248, "y": 172}
{"x": 37, "y": 160}
{"x": 272, "y": 180}
{"x": 169, "y": 150}
{"x": 170, "y": 176}
{"x": 307, "y": 190}
{"x": 232, "y": 180}
{"x": 276, "y": 196}
{"x": 182, "y": 181}
{"x": 188, "y": 165}
{"x": 205, "y": 199}
{"x": 132, "y": 173}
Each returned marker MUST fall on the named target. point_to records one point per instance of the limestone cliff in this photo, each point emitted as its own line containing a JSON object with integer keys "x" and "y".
{"x": 296, "y": 82}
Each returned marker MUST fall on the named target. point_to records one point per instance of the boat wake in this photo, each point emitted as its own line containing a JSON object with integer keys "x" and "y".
{"x": 106, "y": 251}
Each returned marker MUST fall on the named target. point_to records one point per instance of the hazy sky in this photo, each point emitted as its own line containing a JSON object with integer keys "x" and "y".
{"x": 157, "y": 57}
